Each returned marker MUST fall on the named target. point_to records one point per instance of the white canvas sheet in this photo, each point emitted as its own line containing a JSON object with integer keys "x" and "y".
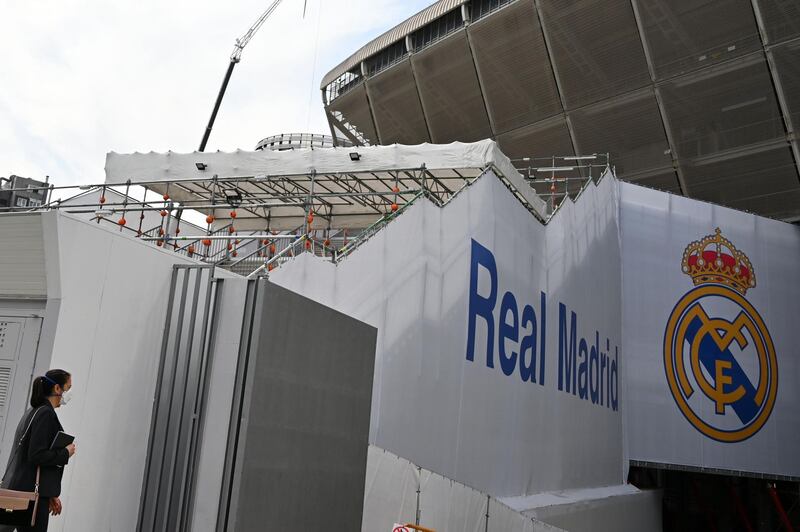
{"x": 656, "y": 230}
{"x": 148, "y": 167}
{"x": 457, "y": 417}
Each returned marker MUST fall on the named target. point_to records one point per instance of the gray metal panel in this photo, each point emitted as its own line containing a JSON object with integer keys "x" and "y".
{"x": 629, "y": 127}
{"x": 429, "y": 14}
{"x": 511, "y": 57}
{"x": 396, "y": 106}
{"x": 693, "y": 34}
{"x": 764, "y": 182}
{"x": 19, "y": 343}
{"x": 354, "y": 107}
{"x": 177, "y": 406}
{"x": 596, "y": 48}
{"x": 665, "y": 180}
{"x": 722, "y": 108}
{"x": 787, "y": 63}
{"x": 542, "y": 139}
{"x": 781, "y": 18}
{"x": 238, "y": 404}
{"x": 22, "y": 260}
{"x": 305, "y": 446}
{"x": 450, "y": 92}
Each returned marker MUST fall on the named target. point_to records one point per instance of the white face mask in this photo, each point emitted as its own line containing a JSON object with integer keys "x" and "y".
{"x": 66, "y": 397}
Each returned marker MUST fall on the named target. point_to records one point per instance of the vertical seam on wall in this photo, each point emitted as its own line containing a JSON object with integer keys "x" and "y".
{"x": 659, "y": 101}
{"x": 777, "y": 86}
{"x": 419, "y": 95}
{"x": 548, "y": 48}
{"x": 481, "y": 88}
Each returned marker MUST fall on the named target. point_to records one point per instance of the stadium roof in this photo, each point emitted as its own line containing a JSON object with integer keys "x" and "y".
{"x": 395, "y": 34}
{"x": 697, "y": 98}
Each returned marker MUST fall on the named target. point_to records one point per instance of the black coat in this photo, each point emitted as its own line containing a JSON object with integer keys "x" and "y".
{"x": 35, "y": 452}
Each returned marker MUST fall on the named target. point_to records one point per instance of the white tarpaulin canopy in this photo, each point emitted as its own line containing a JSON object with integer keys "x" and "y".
{"x": 344, "y": 189}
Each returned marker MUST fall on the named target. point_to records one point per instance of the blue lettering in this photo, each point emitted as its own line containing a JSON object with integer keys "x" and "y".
{"x": 614, "y": 387}
{"x": 479, "y": 305}
{"x": 594, "y": 369}
{"x": 528, "y": 370}
{"x": 542, "y": 342}
{"x": 567, "y": 374}
{"x": 508, "y": 331}
{"x": 583, "y": 373}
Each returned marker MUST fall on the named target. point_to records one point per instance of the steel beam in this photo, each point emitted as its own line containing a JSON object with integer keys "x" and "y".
{"x": 780, "y": 93}
{"x": 548, "y": 46}
{"x": 660, "y": 101}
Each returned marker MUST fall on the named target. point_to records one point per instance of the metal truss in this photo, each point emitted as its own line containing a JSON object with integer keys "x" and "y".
{"x": 257, "y": 223}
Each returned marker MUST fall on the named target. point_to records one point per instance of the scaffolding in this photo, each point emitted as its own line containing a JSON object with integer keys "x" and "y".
{"x": 256, "y": 223}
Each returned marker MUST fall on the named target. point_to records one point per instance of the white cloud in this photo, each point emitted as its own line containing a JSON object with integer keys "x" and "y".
{"x": 84, "y": 77}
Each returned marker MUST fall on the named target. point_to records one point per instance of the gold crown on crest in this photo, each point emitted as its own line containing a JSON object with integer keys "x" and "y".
{"x": 715, "y": 260}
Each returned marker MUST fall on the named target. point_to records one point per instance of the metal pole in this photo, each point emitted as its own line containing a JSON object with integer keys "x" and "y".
{"x": 419, "y": 490}
{"x": 488, "y": 500}
{"x": 776, "y": 500}
{"x": 217, "y": 105}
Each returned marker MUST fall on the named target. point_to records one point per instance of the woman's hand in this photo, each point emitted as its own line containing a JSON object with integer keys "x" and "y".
{"x": 71, "y": 449}
{"x": 55, "y": 506}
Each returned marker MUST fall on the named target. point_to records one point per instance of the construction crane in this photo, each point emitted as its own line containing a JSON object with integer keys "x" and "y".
{"x": 236, "y": 56}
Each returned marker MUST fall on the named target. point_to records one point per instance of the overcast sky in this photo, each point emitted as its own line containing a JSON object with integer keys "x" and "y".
{"x": 79, "y": 78}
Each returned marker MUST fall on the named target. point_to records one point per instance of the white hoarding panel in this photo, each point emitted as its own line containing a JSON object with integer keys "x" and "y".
{"x": 711, "y": 312}
{"x": 499, "y": 347}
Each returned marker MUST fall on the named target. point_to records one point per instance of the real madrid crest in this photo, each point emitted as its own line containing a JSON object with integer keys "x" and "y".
{"x": 718, "y": 354}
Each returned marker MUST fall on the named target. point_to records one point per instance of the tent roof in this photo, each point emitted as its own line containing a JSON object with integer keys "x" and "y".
{"x": 279, "y": 187}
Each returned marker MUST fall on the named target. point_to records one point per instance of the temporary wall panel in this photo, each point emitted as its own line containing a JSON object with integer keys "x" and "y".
{"x": 302, "y": 454}
{"x": 712, "y": 369}
{"x": 474, "y": 302}
{"x": 397, "y": 491}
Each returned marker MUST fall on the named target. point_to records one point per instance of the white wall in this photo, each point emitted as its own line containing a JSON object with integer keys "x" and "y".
{"x": 656, "y": 229}
{"x": 390, "y": 497}
{"x": 114, "y": 293}
{"x": 218, "y": 406}
{"x": 460, "y": 418}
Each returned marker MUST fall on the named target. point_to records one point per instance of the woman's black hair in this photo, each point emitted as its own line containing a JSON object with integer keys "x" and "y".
{"x": 43, "y": 386}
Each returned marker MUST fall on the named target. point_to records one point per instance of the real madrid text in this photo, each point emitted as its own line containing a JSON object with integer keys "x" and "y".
{"x": 587, "y": 368}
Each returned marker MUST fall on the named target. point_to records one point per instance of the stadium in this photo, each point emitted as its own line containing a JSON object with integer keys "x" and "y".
{"x": 698, "y": 98}
{"x": 542, "y": 276}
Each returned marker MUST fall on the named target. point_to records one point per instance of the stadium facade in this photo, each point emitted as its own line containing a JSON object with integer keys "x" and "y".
{"x": 699, "y": 98}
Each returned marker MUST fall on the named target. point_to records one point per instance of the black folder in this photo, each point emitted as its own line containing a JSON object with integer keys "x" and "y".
{"x": 61, "y": 440}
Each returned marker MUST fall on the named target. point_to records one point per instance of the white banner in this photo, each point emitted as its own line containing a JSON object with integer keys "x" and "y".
{"x": 499, "y": 349}
{"x": 711, "y": 335}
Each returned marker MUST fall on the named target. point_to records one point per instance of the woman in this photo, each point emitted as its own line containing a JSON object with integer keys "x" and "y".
{"x": 49, "y": 392}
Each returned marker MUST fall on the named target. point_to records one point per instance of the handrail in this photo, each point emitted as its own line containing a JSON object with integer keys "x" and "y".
{"x": 367, "y": 233}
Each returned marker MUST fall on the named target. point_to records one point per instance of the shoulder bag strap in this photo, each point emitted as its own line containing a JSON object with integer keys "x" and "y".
{"x": 22, "y": 438}
{"x": 36, "y": 499}
{"x": 15, "y": 450}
